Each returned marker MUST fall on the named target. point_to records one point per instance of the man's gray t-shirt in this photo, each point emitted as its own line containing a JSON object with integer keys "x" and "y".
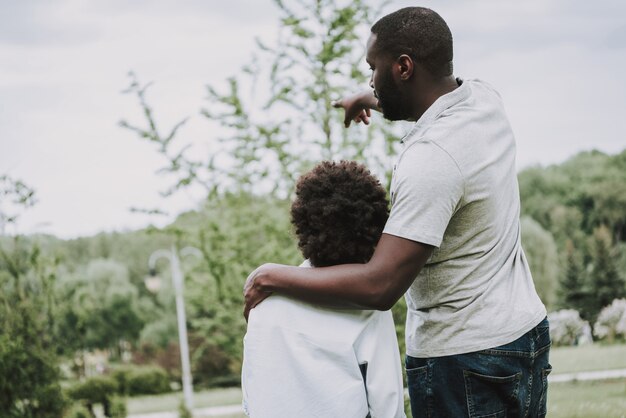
{"x": 455, "y": 187}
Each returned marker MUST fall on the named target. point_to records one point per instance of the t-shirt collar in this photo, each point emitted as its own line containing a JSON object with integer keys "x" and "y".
{"x": 432, "y": 113}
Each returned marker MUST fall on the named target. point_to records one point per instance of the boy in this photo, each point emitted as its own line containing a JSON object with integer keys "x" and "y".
{"x": 302, "y": 360}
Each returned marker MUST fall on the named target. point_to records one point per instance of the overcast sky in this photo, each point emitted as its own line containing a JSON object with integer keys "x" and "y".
{"x": 560, "y": 66}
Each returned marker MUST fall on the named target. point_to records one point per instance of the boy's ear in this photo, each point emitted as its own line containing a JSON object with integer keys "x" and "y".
{"x": 404, "y": 67}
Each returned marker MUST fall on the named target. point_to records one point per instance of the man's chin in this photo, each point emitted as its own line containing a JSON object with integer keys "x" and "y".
{"x": 391, "y": 112}
{"x": 392, "y": 116}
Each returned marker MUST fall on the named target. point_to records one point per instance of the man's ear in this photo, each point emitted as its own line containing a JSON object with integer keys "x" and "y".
{"x": 405, "y": 67}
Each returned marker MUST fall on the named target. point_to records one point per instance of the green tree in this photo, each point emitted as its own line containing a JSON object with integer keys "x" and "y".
{"x": 574, "y": 290}
{"x": 15, "y": 196}
{"x": 318, "y": 56}
{"x": 29, "y": 375}
{"x": 576, "y": 197}
{"x": 606, "y": 283}
{"x": 581, "y": 202}
{"x": 540, "y": 248}
{"x": 270, "y": 138}
{"x": 542, "y": 190}
{"x": 103, "y": 309}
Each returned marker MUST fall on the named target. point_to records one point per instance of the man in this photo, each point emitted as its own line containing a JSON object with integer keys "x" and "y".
{"x": 476, "y": 335}
{"x": 302, "y": 360}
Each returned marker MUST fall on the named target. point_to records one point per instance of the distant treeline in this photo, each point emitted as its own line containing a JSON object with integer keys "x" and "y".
{"x": 574, "y": 230}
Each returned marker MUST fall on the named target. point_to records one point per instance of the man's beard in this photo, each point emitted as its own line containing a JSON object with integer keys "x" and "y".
{"x": 393, "y": 104}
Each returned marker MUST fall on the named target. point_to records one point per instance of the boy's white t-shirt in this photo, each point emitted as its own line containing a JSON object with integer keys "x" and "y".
{"x": 302, "y": 360}
{"x": 454, "y": 187}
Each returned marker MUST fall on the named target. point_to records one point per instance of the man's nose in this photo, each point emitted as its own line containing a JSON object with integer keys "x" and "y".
{"x": 372, "y": 81}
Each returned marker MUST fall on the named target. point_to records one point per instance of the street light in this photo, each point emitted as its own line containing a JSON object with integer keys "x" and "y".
{"x": 153, "y": 283}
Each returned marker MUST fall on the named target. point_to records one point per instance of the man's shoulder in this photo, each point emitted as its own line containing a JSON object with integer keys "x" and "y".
{"x": 429, "y": 154}
{"x": 461, "y": 132}
{"x": 480, "y": 86}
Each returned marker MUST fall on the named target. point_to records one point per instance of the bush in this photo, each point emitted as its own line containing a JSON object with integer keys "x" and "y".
{"x": 118, "y": 408}
{"x": 567, "y": 328}
{"x": 97, "y": 389}
{"x": 121, "y": 376}
{"x": 611, "y": 323}
{"x": 229, "y": 381}
{"x": 78, "y": 411}
{"x": 148, "y": 380}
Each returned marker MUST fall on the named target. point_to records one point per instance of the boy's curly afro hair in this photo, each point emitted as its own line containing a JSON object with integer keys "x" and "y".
{"x": 339, "y": 213}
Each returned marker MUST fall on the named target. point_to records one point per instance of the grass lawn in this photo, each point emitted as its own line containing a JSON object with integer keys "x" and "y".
{"x": 576, "y": 399}
{"x": 588, "y": 358}
{"x": 170, "y": 401}
{"x": 594, "y": 399}
{"x": 601, "y": 399}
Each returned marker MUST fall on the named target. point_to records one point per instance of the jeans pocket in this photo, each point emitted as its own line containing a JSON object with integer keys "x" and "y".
{"x": 492, "y": 396}
{"x": 543, "y": 400}
{"x": 417, "y": 382}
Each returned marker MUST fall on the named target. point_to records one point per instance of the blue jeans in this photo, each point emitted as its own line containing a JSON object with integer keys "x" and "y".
{"x": 506, "y": 381}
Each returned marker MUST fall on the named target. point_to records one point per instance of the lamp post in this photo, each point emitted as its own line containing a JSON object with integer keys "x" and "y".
{"x": 153, "y": 283}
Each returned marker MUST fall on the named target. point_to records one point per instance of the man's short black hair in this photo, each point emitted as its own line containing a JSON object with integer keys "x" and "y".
{"x": 339, "y": 213}
{"x": 420, "y": 33}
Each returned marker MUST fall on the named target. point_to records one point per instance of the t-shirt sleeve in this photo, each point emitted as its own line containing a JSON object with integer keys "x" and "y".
{"x": 426, "y": 190}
